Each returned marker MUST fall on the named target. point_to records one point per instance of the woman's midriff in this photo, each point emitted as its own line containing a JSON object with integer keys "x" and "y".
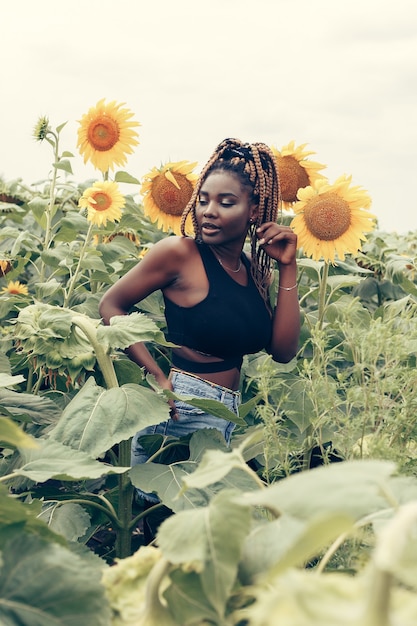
{"x": 229, "y": 378}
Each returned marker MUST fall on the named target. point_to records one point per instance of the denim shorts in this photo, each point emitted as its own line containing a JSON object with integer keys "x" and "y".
{"x": 190, "y": 418}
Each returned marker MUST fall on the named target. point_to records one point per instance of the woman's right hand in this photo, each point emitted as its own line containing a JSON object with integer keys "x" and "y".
{"x": 166, "y": 383}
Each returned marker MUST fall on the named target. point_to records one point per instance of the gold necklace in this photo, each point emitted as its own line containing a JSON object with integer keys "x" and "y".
{"x": 229, "y": 268}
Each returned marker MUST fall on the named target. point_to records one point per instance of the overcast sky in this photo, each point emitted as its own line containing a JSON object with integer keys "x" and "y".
{"x": 339, "y": 76}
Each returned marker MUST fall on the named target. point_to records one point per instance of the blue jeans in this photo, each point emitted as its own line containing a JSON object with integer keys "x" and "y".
{"x": 190, "y": 418}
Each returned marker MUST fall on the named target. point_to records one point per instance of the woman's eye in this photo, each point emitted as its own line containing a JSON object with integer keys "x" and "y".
{"x": 202, "y": 201}
{"x": 227, "y": 204}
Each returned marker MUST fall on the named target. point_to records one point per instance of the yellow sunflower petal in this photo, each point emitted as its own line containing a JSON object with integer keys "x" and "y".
{"x": 106, "y": 135}
{"x": 295, "y": 171}
{"x": 15, "y": 288}
{"x": 166, "y": 192}
{"x": 330, "y": 220}
{"x": 5, "y": 267}
{"x": 103, "y": 202}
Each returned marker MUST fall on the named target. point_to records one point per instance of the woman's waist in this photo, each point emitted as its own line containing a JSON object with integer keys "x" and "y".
{"x": 225, "y": 372}
{"x": 192, "y": 384}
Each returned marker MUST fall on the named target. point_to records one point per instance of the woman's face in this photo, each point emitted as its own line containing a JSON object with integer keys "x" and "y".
{"x": 224, "y": 208}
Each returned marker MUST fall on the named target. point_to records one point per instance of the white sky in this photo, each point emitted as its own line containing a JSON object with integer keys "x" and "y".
{"x": 340, "y": 76}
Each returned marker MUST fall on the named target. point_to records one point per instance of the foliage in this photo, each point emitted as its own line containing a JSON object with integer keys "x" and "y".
{"x": 257, "y": 527}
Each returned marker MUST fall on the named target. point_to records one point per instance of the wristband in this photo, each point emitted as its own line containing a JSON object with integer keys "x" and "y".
{"x": 288, "y": 288}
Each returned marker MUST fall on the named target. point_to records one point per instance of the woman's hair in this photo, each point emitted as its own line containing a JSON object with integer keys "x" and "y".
{"x": 256, "y": 167}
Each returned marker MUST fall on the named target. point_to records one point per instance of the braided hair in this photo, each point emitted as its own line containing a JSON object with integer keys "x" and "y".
{"x": 255, "y": 166}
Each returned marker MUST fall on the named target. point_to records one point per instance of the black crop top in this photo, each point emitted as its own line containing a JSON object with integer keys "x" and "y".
{"x": 230, "y": 322}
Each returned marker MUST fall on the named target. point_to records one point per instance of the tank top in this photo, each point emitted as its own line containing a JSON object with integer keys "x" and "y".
{"x": 231, "y": 321}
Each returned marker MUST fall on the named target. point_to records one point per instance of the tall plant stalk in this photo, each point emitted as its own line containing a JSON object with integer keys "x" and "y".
{"x": 123, "y": 546}
{"x": 53, "y": 140}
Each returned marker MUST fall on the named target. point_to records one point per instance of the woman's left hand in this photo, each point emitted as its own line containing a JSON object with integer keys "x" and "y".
{"x": 278, "y": 241}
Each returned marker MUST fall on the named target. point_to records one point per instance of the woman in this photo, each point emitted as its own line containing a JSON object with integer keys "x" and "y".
{"x": 216, "y": 296}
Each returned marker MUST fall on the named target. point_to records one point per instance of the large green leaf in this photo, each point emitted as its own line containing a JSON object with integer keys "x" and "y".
{"x": 6, "y": 380}
{"x": 187, "y": 600}
{"x": 12, "y": 435}
{"x": 302, "y": 598}
{"x": 52, "y": 459}
{"x": 214, "y": 466}
{"x": 38, "y": 409}
{"x": 96, "y": 419}
{"x": 124, "y": 330}
{"x": 351, "y": 487}
{"x": 17, "y": 517}
{"x": 214, "y": 407}
{"x": 67, "y": 519}
{"x": 288, "y": 542}
{"x": 168, "y": 480}
{"x": 209, "y": 540}
{"x": 44, "y": 584}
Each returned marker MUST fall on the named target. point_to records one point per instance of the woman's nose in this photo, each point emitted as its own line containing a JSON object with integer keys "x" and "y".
{"x": 210, "y": 208}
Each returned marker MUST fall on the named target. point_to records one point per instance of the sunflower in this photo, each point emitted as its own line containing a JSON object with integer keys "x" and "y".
{"x": 106, "y": 135}
{"x": 15, "y": 288}
{"x": 166, "y": 192}
{"x": 331, "y": 219}
{"x": 42, "y": 129}
{"x": 295, "y": 171}
{"x": 5, "y": 267}
{"x": 103, "y": 202}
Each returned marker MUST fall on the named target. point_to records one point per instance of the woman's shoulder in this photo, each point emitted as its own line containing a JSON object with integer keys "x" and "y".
{"x": 175, "y": 248}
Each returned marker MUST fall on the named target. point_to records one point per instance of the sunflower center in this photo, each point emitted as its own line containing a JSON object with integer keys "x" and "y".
{"x": 292, "y": 177}
{"x": 167, "y": 197}
{"x": 327, "y": 217}
{"x": 103, "y": 201}
{"x": 103, "y": 133}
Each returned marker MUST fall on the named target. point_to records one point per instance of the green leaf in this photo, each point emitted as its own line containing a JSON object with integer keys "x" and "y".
{"x": 45, "y": 584}
{"x": 202, "y": 539}
{"x": 214, "y": 407}
{"x": 39, "y": 207}
{"x": 297, "y": 404}
{"x": 63, "y": 164}
{"x": 96, "y": 419}
{"x": 52, "y": 459}
{"x": 339, "y": 282}
{"x": 38, "y": 409}
{"x": 48, "y": 289}
{"x": 167, "y": 480}
{"x": 60, "y": 127}
{"x": 70, "y": 227}
{"x": 350, "y": 487}
{"x": 187, "y": 600}
{"x": 12, "y": 435}
{"x": 124, "y": 330}
{"x": 7, "y": 380}
{"x": 289, "y": 542}
{"x": 124, "y": 177}
{"x": 68, "y": 519}
{"x": 214, "y": 466}
{"x": 17, "y": 517}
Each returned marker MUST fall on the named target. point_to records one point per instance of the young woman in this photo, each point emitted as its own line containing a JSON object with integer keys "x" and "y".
{"x": 216, "y": 297}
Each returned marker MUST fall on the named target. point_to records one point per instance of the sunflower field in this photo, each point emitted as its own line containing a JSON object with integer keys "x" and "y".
{"x": 309, "y": 518}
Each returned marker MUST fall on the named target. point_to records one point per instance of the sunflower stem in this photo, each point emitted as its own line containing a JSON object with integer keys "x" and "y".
{"x": 51, "y": 203}
{"x": 74, "y": 277}
{"x": 322, "y": 294}
{"x": 103, "y": 358}
{"x": 125, "y": 487}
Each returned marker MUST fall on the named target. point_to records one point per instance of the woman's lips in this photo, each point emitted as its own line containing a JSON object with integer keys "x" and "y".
{"x": 209, "y": 228}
